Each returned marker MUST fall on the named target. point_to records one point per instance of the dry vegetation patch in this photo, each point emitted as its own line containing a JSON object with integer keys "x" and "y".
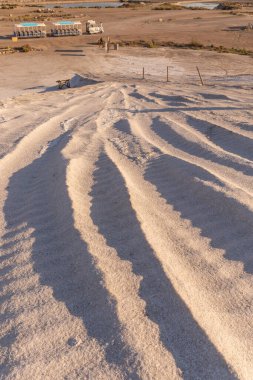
{"x": 21, "y": 49}
{"x": 40, "y": 17}
{"x": 8, "y": 6}
{"x": 167, "y": 7}
{"x": 195, "y": 45}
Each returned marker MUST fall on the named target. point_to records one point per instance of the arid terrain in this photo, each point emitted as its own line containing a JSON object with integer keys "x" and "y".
{"x": 126, "y": 204}
{"x": 215, "y": 27}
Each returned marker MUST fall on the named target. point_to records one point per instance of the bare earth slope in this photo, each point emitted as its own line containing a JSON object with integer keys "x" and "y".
{"x": 126, "y": 223}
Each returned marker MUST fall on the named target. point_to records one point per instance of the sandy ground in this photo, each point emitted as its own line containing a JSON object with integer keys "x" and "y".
{"x": 207, "y": 27}
{"x": 126, "y": 215}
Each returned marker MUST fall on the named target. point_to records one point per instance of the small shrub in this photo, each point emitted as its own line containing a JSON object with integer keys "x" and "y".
{"x": 167, "y": 7}
{"x": 25, "y": 48}
{"x": 195, "y": 45}
{"x": 151, "y": 44}
{"x": 228, "y": 6}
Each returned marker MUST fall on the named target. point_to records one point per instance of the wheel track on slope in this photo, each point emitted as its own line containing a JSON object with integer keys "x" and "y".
{"x": 235, "y": 182}
{"x": 181, "y": 170}
{"x": 229, "y": 181}
{"x": 37, "y": 124}
{"x": 203, "y": 174}
{"x": 238, "y": 182}
{"x": 202, "y": 129}
{"x": 240, "y": 144}
{"x": 119, "y": 279}
{"x": 183, "y": 262}
{"x": 225, "y": 137}
{"x": 139, "y": 362}
{"x": 179, "y": 332}
{"x": 129, "y": 129}
{"x": 32, "y": 144}
{"x": 60, "y": 267}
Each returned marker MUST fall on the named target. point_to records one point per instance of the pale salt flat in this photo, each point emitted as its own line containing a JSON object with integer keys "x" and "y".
{"x": 126, "y": 224}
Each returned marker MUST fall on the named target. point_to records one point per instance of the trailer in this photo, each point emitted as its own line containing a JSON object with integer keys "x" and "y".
{"x": 30, "y": 30}
{"x": 66, "y": 28}
{"x": 93, "y": 28}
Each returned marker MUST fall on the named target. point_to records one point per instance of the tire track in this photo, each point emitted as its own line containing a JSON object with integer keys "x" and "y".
{"x": 231, "y": 183}
{"x": 233, "y": 308}
{"x": 236, "y": 219}
{"x": 205, "y": 176}
{"x": 25, "y": 129}
{"x": 63, "y": 263}
{"x": 177, "y": 137}
{"x": 202, "y": 128}
{"x": 228, "y": 140}
{"x": 112, "y": 212}
{"x": 142, "y": 361}
{"x": 234, "y": 177}
{"x": 211, "y": 287}
{"x": 32, "y": 144}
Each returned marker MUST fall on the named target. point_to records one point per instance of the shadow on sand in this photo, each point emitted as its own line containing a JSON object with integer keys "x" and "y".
{"x": 171, "y": 136}
{"x": 112, "y": 212}
{"x": 76, "y": 81}
{"x": 227, "y": 223}
{"x": 38, "y": 196}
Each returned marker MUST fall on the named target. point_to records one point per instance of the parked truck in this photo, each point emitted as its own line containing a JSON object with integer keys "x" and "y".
{"x": 93, "y": 28}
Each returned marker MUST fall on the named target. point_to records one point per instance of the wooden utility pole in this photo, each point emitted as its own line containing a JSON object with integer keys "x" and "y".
{"x": 200, "y": 77}
{"x": 167, "y": 73}
{"x": 143, "y": 73}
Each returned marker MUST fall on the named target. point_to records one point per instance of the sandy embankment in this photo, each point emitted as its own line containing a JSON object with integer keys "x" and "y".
{"x": 126, "y": 228}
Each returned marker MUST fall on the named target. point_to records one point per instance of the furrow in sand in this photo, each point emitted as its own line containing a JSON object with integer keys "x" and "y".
{"x": 138, "y": 359}
{"x": 242, "y": 303}
{"x": 180, "y": 334}
{"x": 194, "y": 268}
{"x": 224, "y": 122}
{"x": 35, "y": 143}
{"x": 164, "y": 139}
{"x": 183, "y": 102}
{"x": 227, "y": 139}
{"x": 231, "y": 208}
{"x": 226, "y": 169}
{"x": 14, "y": 131}
{"x": 225, "y": 222}
{"x": 54, "y": 260}
{"x": 183, "y": 97}
{"x": 144, "y": 356}
{"x": 180, "y": 137}
{"x": 71, "y": 287}
{"x": 197, "y": 194}
{"x": 180, "y": 122}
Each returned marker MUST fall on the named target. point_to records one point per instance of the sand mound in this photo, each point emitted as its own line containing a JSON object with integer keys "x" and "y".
{"x": 78, "y": 81}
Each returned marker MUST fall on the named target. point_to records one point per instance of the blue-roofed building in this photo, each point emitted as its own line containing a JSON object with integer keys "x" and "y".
{"x": 30, "y": 30}
{"x": 66, "y": 28}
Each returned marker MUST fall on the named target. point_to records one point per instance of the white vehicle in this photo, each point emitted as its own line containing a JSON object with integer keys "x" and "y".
{"x": 93, "y": 28}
